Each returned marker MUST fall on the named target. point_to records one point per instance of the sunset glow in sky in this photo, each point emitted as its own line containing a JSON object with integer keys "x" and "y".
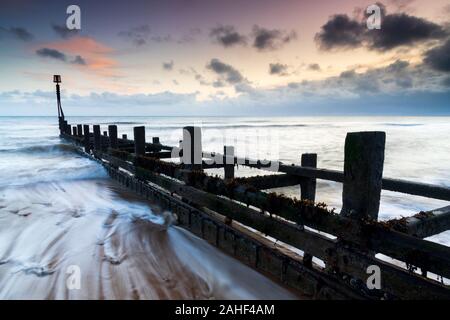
{"x": 242, "y": 57}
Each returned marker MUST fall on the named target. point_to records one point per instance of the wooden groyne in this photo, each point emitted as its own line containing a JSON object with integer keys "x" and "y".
{"x": 237, "y": 216}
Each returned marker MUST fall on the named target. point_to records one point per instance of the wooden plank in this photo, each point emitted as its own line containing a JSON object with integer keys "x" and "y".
{"x": 139, "y": 140}
{"x": 97, "y": 137}
{"x": 308, "y": 193}
{"x": 270, "y": 181}
{"x": 424, "y": 224}
{"x": 192, "y": 148}
{"x": 308, "y": 185}
{"x": 417, "y": 188}
{"x": 112, "y": 130}
{"x": 86, "y": 140}
{"x": 160, "y": 155}
{"x": 363, "y": 171}
{"x": 228, "y": 161}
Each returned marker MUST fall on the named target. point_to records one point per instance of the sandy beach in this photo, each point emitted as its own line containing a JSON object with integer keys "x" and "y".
{"x": 121, "y": 253}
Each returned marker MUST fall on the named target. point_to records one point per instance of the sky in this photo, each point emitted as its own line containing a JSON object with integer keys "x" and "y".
{"x": 236, "y": 58}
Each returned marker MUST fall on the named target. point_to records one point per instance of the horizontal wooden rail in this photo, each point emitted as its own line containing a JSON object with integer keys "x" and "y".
{"x": 424, "y": 224}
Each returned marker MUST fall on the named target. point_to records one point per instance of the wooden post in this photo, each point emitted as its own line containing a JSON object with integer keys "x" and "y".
{"x": 192, "y": 148}
{"x": 87, "y": 140}
{"x": 228, "y": 161}
{"x": 124, "y": 137}
{"x": 363, "y": 171}
{"x": 105, "y": 133}
{"x": 74, "y": 131}
{"x": 308, "y": 185}
{"x": 97, "y": 138}
{"x": 139, "y": 140}
{"x": 80, "y": 130}
{"x": 308, "y": 192}
{"x": 155, "y": 140}
{"x": 112, "y": 129}
{"x": 64, "y": 126}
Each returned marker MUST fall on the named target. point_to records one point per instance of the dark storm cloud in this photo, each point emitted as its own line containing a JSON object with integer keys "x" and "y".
{"x": 226, "y": 72}
{"x": 343, "y": 32}
{"x": 79, "y": 60}
{"x": 265, "y": 39}
{"x": 227, "y": 36}
{"x": 438, "y": 58}
{"x": 168, "y": 66}
{"x": 340, "y": 31}
{"x": 51, "y": 53}
{"x": 278, "y": 69}
{"x": 63, "y": 31}
{"x": 17, "y": 33}
{"x": 402, "y": 29}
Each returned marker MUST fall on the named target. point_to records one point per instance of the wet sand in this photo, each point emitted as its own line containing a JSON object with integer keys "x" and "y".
{"x": 125, "y": 249}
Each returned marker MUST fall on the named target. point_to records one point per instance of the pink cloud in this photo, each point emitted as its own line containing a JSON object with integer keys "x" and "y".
{"x": 95, "y": 53}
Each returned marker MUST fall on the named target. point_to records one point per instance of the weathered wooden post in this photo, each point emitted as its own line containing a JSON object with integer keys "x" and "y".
{"x": 74, "y": 131}
{"x": 105, "y": 133}
{"x": 124, "y": 137}
{"x": 192, "y": 148}
{"x": 228, "y": 161}
{"x": 308, "y": 185}
{"x": 139, "y": 140}
{"x": 155, "y": 140}
{"x": 80, "y": 130}
{"x": 363, "y": 172}
{"x": 112, "y": 129}
{"x": 87, "y": 139}
{"x": 97, "y": 138}
{"x": 64, "y": 126}
{"x": 308, "y": 192}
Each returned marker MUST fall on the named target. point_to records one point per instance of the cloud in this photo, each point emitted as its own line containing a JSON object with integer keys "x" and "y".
{"x": 278, "y": 69}
{"x": 438, "y": 58}
{"x": 265, "y": 39}
{"x": 190, "y": 36}
{"x": 314, "y": 67}
{"x": 17, "y": 33}
{"x": 168, "y": 66}
{"x": 63, "y": 31}
{"x": 79, "y": 60}
{"x": 340, "y": 32}
{"x": 142, "y": 35}
{"x": 226, "y": 72}
{"x": 227, "y": 36}
{"x": 91, "y": 50}
{"x": 51, "y": 53}
{"x": 137, "y": 35}
{"x": 399, "y": 29}
{"x": 402, "y": 30}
